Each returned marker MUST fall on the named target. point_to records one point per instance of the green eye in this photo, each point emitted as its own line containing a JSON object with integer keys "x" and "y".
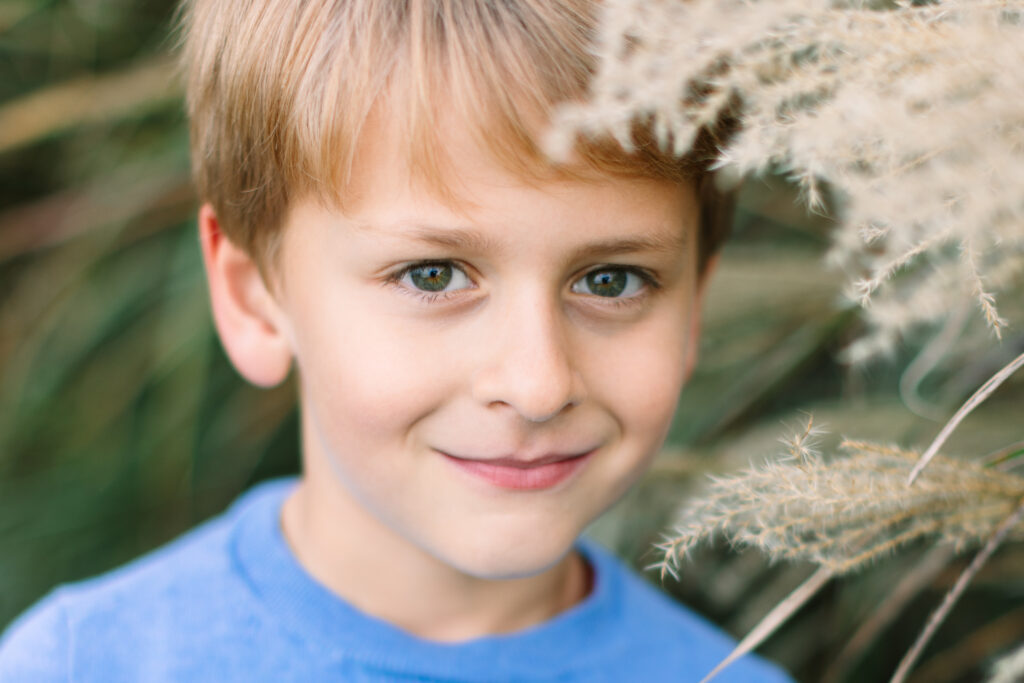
{"x": 435, "y": 277}
{"x": 432, "y": 278}
{"x": 612, "y": 283}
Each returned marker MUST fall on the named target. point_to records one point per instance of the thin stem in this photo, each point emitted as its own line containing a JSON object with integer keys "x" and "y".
{"x": 973, "y": 402}
{"x": 779, "y": 614}
{"x": 909, "y": 586}
{"x": 1004, "y": 456}
{"x": 926, "y": 361}
{"x": 954, "y": 593}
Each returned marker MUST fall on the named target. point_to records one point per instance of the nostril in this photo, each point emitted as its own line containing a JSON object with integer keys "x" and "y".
{"x": 537, "y": 397}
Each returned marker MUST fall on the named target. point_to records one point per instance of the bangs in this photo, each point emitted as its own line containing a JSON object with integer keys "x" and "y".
{"x": 502, "y": 69}
{"x": 280, "y": 94}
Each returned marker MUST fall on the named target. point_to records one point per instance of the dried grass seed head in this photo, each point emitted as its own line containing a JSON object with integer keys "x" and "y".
{"x": 911, "y": 114}
{"x": 845, "y": 512}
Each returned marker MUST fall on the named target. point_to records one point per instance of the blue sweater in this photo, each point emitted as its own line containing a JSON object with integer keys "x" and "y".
{"x": 229, "y": 602}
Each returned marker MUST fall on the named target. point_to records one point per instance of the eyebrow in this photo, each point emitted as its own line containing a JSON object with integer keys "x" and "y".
{"x": 669, "y": 244}
{"x": 463, "y": 239}
{"x": 466, "y": 239}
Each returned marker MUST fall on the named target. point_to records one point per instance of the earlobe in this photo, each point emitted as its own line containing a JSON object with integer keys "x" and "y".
{"x": 249, "y": 321}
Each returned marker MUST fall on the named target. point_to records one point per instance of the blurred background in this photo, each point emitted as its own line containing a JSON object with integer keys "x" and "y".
{"x": 122, "y": 423}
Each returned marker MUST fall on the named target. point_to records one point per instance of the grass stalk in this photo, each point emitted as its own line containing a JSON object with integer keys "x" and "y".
{"x": 910, "y": 585}
{"x": 64, "y": 106}
{"x": 937, "y": 617}
{"x": 774, "y": 619}
{"x": 973, "y": 402}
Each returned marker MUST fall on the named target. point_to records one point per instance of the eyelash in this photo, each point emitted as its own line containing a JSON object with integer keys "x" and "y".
{"x": 651, "y": 284}
{"x": 395, "y": 280}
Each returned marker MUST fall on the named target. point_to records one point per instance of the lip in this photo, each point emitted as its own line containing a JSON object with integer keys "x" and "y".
{"x": 521, "y": 474}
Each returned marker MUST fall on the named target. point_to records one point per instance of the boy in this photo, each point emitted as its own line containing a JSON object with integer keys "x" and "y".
{"x": 489, "y": 348}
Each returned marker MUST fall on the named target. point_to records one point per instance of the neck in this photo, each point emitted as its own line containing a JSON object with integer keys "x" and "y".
{"x": 363, "y": 561}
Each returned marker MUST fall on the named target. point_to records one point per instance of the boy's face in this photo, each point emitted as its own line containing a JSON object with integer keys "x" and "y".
{"x": 554, "y": 322}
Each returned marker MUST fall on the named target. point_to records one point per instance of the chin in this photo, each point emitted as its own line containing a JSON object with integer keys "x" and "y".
{"x": 500, "y": 557}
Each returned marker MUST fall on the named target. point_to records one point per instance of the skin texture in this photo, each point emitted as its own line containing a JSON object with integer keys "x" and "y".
{"x": 518, "y": 358}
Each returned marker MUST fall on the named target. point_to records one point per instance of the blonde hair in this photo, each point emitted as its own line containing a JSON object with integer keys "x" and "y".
{"x": 279, "y": 92}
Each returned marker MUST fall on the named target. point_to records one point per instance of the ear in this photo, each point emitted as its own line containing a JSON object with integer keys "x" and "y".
{"x": 693, "y": 342}
{"x": 250, "y": 323}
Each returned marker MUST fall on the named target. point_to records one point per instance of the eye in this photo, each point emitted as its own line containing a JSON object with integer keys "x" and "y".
{"x": 611, "y": 282}
{"x": 435, "y": 278}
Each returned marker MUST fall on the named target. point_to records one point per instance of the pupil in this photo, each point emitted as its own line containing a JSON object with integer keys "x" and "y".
{"x": 433, "y": 278}
{"x": 607, "y": 282}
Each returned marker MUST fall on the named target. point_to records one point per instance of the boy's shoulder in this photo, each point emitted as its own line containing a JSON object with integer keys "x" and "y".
{"x": 182, "y": 591}
{"x": 664, "y": 636}
{"x": 228, "y": 602}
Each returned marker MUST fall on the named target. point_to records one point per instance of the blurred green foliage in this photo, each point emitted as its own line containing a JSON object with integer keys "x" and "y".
{"x": 122, "y": 423}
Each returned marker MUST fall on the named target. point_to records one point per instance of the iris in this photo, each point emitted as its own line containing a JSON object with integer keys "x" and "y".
{"x": 433, "y": 277}
{"x": 609, "y": 283}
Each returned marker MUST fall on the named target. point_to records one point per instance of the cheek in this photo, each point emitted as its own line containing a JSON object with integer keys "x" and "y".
{"x": 368, "y": 374}
{"x": 641, "y": 385}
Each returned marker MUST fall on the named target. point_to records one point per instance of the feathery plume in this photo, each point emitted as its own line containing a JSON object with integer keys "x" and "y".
{"x": 913, "y": 115}
{"x": 845, "y": 512}
{"x": 1009, "y": 669}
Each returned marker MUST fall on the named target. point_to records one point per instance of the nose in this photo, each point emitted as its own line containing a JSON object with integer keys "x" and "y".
{"x": 529, "y": 366}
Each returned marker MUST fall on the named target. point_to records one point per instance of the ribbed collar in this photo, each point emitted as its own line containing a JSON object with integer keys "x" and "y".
{"x": 583, "y": 635}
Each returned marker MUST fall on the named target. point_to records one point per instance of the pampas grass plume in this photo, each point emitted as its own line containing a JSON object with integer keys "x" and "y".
{"x": 844, "y": 512}
{"x": 912, "y": 113}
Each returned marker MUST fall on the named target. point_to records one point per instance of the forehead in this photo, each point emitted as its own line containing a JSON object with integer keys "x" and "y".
{"x": 469, "y": 175}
